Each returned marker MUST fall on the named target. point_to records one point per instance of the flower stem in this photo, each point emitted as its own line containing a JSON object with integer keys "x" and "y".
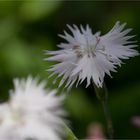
{"x": 69, "y": 134}
{"x": 102, "y": 95}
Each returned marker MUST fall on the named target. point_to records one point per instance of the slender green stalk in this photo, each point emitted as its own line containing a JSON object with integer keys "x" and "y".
{"x": 69, "y": 134}
{"x": 102, "y": 95}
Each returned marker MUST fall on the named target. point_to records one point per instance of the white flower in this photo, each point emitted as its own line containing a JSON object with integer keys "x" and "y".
{"x": 91, "y": 56}
{"x": 32, "y": 112}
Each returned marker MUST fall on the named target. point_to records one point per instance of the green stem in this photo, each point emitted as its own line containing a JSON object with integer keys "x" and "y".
{"x": 102, "y": 95}
{"x": 69, "y": 134}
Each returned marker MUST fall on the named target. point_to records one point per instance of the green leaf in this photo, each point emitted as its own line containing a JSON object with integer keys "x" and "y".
{"x": 69, "y": 134}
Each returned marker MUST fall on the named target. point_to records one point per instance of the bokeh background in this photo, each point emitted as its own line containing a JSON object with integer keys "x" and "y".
{"x": 28, "y": 27}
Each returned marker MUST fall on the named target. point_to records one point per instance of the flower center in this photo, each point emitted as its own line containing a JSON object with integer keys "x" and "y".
{"x": 17, "y": 117}
{"x": 89, "y": 50}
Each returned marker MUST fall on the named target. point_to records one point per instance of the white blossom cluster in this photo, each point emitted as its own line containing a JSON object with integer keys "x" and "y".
{"x": 32, "y": 113}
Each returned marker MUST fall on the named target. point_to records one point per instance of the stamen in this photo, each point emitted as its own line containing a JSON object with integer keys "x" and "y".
{"x": 98, "y": 40}
{"x": 78, "y": 51}
{"x": 90, "y": 51}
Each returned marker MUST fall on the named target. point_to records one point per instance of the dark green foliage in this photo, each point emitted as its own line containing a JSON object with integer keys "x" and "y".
{"x": 27, "y": 28}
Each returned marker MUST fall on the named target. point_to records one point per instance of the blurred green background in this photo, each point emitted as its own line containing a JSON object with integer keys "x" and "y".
{"x": 27, "y": 28}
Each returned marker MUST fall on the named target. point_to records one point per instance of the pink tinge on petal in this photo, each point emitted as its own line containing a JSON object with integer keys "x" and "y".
{"x": 136, "y": 121}
{"x": 95, "y": 132}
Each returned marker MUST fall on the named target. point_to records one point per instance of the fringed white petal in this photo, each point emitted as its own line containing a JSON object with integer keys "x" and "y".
{"x": 88, "y": 56}
{"x": 31, "y": 112}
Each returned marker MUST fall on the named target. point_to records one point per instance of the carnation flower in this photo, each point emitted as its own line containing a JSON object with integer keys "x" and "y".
{"x": 88, "y": 56}
{"x": 31, "y": 113}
